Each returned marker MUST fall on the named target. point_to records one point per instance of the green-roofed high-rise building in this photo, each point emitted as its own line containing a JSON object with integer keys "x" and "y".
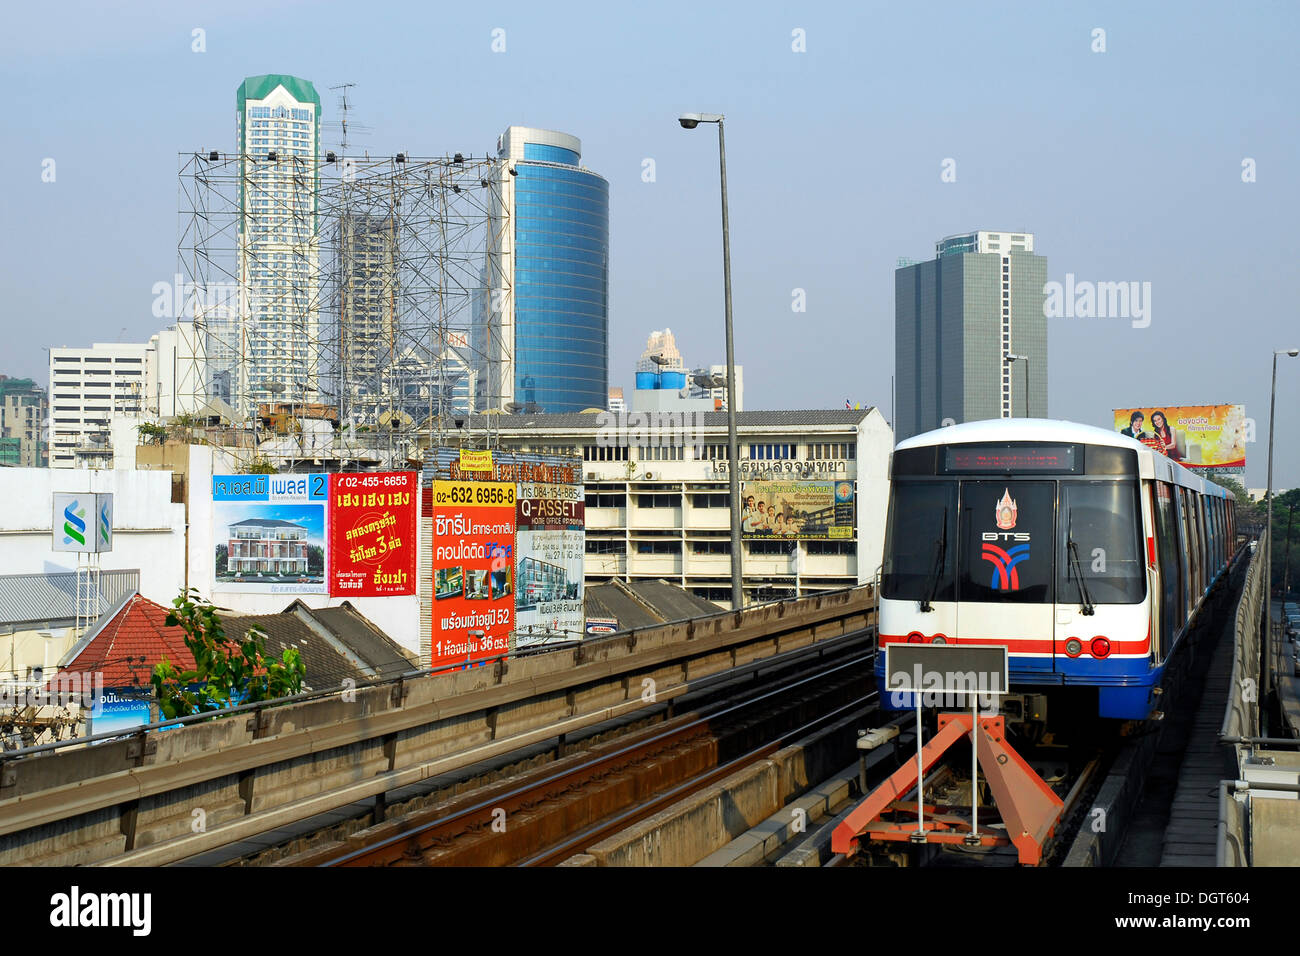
{"x": 270, "y": 351}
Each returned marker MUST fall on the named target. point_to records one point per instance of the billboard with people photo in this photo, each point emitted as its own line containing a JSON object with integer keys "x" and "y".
{"x": 1195, "y": 436}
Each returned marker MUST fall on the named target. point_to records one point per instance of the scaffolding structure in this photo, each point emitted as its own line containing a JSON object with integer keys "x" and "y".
{"x": 344, "y": 309}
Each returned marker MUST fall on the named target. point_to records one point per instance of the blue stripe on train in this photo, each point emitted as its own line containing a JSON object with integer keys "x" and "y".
{"x": 1123, "y": 685}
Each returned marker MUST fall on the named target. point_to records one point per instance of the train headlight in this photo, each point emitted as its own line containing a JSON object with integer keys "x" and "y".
{"x": 1073, "y": 647}
{"x": 1100, "y": 647}
{"x": 916, "y": 637}
{"x": 938, "y": 639}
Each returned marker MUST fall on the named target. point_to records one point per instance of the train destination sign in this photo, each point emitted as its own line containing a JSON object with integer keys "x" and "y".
{"x": 1007, "y": 459}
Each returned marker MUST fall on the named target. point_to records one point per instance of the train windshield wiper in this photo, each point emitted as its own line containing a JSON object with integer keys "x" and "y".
{"x": 1075, "y": 568}
{"x": 940, "y": 552}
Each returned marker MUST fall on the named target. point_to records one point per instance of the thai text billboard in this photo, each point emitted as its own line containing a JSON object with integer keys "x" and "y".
{"x": 473, "y": 571}
{"x": 799, "y": 510}
{"x": 549, "y": 546}
{"x": 269, "y": 533}
{"x": 372, "y": 534}
{"x": 1195, "y": 436}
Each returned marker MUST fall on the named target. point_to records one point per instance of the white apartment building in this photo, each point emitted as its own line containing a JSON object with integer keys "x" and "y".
{"x": 657, "y": 501}
{"x": 87, "y": 388}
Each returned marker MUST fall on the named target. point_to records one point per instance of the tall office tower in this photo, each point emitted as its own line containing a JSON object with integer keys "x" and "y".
{"x": 664, "y": 345}
{"x": 275, "y": 344}
{"x": 541, "y": 328}
{"x": 957, "y": 318}
{"x": 368, "y": 293}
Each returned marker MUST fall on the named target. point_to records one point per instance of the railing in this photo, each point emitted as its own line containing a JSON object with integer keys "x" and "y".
{"x": 278, "y": 762}
{"x": 1257, "y": 825}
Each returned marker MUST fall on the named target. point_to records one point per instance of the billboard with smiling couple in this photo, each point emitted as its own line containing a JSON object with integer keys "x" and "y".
{"x": 1195, "y": 436}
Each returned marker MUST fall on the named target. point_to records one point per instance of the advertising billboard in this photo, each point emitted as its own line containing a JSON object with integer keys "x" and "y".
{"x": 1195, "y": 436}
{"x": 548, "y": 567}
{"x": 269, "y": 533}
{"x": 372, "y": 534}
{"x": 797, "y": 510}
{"x": 82, "y": 522}
{"x": 473, "y": 571}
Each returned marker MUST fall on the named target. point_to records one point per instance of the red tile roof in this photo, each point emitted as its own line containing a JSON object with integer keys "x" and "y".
{"x": 138, "y": 630}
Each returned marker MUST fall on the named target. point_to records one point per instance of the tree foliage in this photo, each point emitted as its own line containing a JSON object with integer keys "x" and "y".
{"x": 227, "y": 670}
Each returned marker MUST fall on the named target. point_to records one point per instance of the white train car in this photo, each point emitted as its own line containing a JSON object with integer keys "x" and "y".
{"x": 1084, "y": 552}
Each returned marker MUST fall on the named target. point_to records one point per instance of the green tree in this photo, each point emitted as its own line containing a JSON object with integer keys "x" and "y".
{"x": 151, "y": 434}
{"x": 315, "y": 560}
{"x": 227, "y": 671}
{"x": 223, "y": 558}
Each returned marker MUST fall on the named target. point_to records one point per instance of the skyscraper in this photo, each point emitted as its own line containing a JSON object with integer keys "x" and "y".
{"x": 367, "y": 275}
{"x": 274, "y": 343}
{"x": 541, "y": 330}
{"x": 957, "y": 318}
{"x": 664, "y": 345}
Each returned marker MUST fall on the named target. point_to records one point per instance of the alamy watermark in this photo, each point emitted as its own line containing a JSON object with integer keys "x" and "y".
{"x": 950, "y": 689}
{"x": 651, "y": 430}
{"x": 1083, "y": 299}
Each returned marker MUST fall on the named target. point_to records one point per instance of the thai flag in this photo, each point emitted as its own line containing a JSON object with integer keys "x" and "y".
{"x": 847, "y": 403}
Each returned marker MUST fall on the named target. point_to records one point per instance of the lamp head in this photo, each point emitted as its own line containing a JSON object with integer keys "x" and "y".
{"x": 689, "y": 120}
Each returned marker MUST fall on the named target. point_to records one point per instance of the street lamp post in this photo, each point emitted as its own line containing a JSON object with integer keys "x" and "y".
{"x": 1268, "y": 494}
{"x": 1010, "y": 359}
{"x": 690, "y": 121}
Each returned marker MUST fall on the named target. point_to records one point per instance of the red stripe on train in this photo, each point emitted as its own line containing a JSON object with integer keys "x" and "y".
{"x": 1029, "y": 645}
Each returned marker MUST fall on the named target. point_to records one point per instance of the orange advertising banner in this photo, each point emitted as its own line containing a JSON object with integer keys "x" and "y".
{"x": 1195, "y": 436}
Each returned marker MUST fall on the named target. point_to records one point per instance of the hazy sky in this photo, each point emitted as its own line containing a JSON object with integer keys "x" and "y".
{"x": 1126, "y": 165}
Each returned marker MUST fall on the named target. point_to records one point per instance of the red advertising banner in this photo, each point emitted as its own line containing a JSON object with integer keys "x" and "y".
{"x": 372, "y": 533}
{"x": 473, "y": 571}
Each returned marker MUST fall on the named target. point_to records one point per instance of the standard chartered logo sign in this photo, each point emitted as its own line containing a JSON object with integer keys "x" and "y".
{"x": 82, "y": 522}
{"x": 74, "y": 523}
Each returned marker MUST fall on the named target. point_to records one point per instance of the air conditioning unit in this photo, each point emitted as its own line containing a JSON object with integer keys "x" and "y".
{"x": 649, "y": 475}
{"x": 591, "y": 476}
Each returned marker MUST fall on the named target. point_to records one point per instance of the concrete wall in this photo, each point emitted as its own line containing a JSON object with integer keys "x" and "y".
{"x": 149, "y": 533}
{"x": 398, "y": 617}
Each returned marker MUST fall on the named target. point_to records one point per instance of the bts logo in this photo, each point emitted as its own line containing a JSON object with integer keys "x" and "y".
{"x": 1005, "y": 576}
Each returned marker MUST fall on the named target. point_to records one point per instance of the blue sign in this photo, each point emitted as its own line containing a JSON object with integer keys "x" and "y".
{"x": 119, "y": 710}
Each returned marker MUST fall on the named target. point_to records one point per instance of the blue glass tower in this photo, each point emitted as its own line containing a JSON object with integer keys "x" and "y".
{"x": 546, "y": 337}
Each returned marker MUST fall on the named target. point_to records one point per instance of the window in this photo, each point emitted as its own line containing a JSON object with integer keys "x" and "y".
{"x": 1101, "y": 519}
{"x": 711, "y": 501}
{"x": 659, "y": 501}
{"x": 606, "y": 546}
{"x": 831, "y": 450}
{"x": 710, "y": 547}
{"x": 831, "y": 547}
{"x": 658, "y": 547}
{"x": 770, "y": 547}
{"x": 920, "y": 542}
{"x": 714, "y": 452}
{"x": 768, "y": 452}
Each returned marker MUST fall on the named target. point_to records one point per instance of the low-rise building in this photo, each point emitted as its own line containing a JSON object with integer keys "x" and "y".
{"x": 657, "y": 495}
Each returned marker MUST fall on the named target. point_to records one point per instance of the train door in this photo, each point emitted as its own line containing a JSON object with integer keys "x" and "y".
{"x": 1005, "y": 568}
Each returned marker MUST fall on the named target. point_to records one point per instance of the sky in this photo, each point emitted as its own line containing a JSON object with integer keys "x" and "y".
{"x": 1127, "y": 164}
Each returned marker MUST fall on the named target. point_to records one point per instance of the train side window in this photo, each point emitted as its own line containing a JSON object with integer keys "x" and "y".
{"x": 1171, "y": 605}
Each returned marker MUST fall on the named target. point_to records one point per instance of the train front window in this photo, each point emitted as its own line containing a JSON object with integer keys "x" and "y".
{"x": 1100, "y": 519}
{"x": 1006, "y": 534}
{"x": 921, "y": 542}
